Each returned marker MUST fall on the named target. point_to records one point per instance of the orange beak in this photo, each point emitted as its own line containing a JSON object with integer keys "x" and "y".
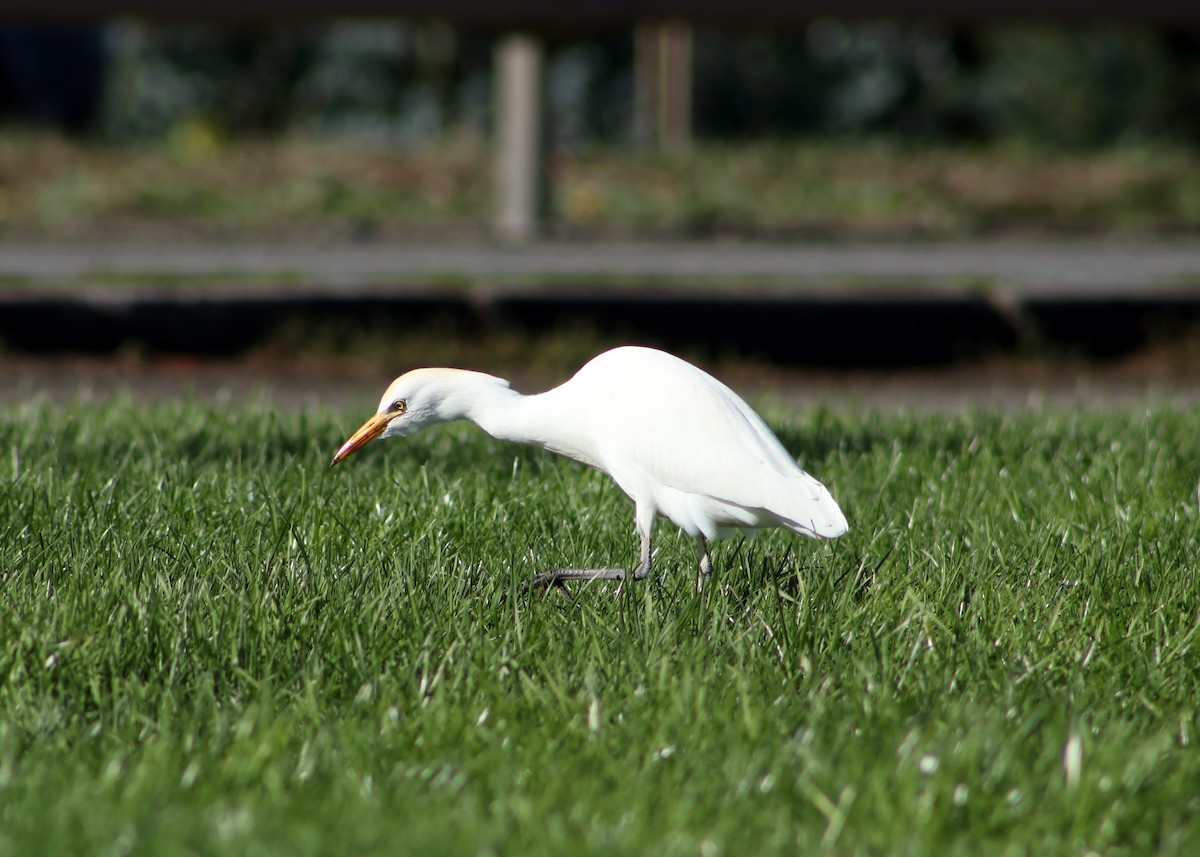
{"x": 370, "y": 430}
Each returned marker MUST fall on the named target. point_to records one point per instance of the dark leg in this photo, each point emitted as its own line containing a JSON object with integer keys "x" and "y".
{"x": 557, "y": 577}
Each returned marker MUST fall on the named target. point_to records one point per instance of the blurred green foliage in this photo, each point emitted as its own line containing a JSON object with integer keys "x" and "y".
{"x": 366, "y": 80}
{"x": 198, "y": 181}
{"x": 1042, "y": 85}
{"x": 388, "y": 81}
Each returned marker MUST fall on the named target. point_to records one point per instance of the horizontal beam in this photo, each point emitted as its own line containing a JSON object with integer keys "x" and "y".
{"x": 585, "y": 16}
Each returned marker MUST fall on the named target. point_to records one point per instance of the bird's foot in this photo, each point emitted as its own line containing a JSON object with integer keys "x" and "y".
{"x": 639, "y": 573}
{"x": 556, "y": 578}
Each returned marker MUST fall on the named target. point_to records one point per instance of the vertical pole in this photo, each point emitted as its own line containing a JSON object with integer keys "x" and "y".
{"x": 675, "y": 129}
{"x": 646, "y": 84}
{"x": 663, "y": 85}
{"x": 520, "y": 167}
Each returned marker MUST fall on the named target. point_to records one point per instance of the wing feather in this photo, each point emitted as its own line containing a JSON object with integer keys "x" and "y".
{"x": 685, "y": 430}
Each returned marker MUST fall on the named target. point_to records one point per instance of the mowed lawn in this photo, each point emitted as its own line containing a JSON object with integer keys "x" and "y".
{"x": 210, "y": 643}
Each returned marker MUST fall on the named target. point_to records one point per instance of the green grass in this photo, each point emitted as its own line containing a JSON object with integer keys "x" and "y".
{"x": 210, "y": 643}
{"x": 293, "y": 187}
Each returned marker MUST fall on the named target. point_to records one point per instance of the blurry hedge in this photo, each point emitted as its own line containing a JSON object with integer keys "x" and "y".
{"x": 1057, "y": 87}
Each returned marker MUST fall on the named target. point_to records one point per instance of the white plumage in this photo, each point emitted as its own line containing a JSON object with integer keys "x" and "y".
{"x": 676, "y": 440}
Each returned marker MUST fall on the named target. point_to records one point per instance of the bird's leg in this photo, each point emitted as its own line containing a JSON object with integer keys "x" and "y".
{"x": 643, "y": 568}
{"x": 704, "y": 561}
{"x": 557, "y": 577}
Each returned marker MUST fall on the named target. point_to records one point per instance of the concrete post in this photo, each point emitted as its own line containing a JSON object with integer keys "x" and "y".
{"x": 520, "y": 130}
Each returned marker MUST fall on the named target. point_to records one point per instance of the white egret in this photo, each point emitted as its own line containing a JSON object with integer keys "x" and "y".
{"x": 677, "y": 441}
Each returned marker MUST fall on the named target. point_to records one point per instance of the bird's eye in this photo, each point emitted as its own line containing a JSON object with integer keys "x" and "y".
{"x": 399, "y": 406}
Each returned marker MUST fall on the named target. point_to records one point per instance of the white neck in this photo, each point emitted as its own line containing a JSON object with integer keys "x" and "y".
{"x": 508, "y": 415}
{"x": 489, "y": 403}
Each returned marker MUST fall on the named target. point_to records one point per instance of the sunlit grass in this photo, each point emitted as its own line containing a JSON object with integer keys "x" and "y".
{"x": 211, "y": 643}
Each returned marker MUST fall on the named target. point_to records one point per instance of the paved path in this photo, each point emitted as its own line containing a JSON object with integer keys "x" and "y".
{"x": 828, "y": 304}
{"x": 1076, "y": 267}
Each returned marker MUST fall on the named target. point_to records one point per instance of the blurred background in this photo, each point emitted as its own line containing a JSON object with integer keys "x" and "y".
{"x": 396, "y": 83}
{"x": 1012, "y": 196}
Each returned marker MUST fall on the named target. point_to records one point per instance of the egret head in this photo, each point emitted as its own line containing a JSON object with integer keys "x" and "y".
{"x": 416, "y": 400}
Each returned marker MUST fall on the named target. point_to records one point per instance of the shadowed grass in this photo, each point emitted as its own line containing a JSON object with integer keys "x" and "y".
{"x": 211, "y": 643}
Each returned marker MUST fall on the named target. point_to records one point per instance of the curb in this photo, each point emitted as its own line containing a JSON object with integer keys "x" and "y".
{"x": 864, "y": 326}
